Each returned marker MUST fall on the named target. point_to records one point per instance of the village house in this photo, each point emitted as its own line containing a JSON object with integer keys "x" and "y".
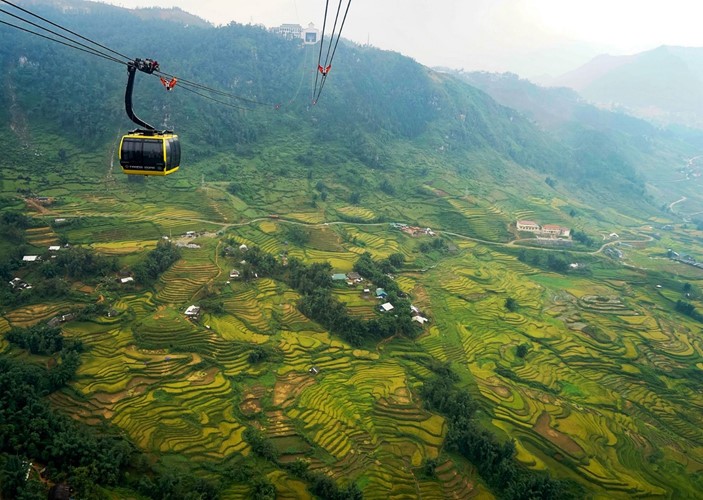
{"x": 353, "y": 276}
{"x": 192, "y": 311}
{"x": 528, "y": 225}
{"x": 420, "y": 319}
{"x": 386, "y": 307}
{"x": 381, "y": 293}
{"x": 339, "y": 277}
{"x": 18, "y": 284}
{"x": 54, "y": 248}
{"x": 128, "y": 279}
{"x": 234, "y": 273}
{"x": 555, "y": 230}
{"x": 31, "y": 258}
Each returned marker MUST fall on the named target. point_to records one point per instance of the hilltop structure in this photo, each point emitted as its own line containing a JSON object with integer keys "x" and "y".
{"x": 309, "y": 35}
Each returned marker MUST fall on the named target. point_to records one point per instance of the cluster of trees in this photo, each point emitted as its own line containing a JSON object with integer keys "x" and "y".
{"x": 378, "y": 271}
{"x": 437, "y": 244}
{"x": 688, "y": 309}
{"x": 46, "y": 340}
{"x": 13, "y": 225}
{"x": 551, "y": 261}
{"x": 319, "y": 484}
{"x": 156, "y": 262}
{"x": 582, "y": 238}
{"x": 79, "y": 263}
{"x": 32, "y": 431}
{"x": 38, "y": 339}
{"x": 495, "y": 461}
{"x": 314, "y": 283}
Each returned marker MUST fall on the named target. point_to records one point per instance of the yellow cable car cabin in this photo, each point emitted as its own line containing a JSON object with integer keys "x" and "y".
{"x": 150, "y": 153}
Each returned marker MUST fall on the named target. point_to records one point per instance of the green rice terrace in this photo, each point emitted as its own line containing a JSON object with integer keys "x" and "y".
{"x": 590, "y": 370}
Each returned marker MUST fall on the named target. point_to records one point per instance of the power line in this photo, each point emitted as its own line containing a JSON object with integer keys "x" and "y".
{"x": 65, "y": 29}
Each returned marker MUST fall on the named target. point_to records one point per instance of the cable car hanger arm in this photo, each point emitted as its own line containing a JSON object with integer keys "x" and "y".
{"x": 147, "y": 66}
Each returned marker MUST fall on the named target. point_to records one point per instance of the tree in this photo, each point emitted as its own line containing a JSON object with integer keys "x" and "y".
{"x": 521, "y": 350}
{"x": 511, "y": 304}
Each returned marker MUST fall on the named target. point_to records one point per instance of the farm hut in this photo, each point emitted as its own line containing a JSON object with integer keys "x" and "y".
{"x": 414, "y": 309}
{"x": 381, "y": 293}
{"x": 243, "y": 248}
{"x": 31, "y": 258}
{"x": 192, "y": 311}
{"x": 54, "y": 248}
{"x": 354, "y": 277}
{"x": 386, "y": 307}
{"x": 314, "y": 370}
{"x": 420, "y": 319}
{"x": 128, "y": 279}
{"x": 234, "y": 273}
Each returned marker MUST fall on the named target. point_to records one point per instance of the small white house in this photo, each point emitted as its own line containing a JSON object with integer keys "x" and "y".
{"x": 31, "y": 258}
{"x": 192, "y": 311}
{"x": 54, "y": 248}
{"x": 386, "y": 307}
{"x": 420, "y": 319}
{"x": 234, "y": 273}
{"x": 243, "y": 248}
{"x": 128, "y": 279}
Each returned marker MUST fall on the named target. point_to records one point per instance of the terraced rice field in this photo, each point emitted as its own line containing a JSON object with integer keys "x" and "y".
{"x": 186, "y": 277}
{"x": 30, "y": 315}
{"x": 607, "y": 393}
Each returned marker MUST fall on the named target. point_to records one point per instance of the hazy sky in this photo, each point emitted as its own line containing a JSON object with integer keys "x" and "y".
{"x": 528, "y": 37}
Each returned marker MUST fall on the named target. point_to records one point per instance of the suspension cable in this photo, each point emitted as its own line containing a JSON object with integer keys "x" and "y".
{"x": 75, "y": 44}
{"x": 66, "y": 29}
{"x": 87, "y": 48}
{"x": 64, "y": 43}
{"x": 329, "y": 57}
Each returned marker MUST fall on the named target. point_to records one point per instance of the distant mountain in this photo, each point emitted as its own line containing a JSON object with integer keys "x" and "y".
{"x": 664, "y": 85}
{"x": 81, "y": 7}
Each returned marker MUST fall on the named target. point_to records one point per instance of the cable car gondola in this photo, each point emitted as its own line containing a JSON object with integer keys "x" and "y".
{"x": 149, "y": 151}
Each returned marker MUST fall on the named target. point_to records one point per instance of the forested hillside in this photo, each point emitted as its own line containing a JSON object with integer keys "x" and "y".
{"x": 373, "y": 98}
